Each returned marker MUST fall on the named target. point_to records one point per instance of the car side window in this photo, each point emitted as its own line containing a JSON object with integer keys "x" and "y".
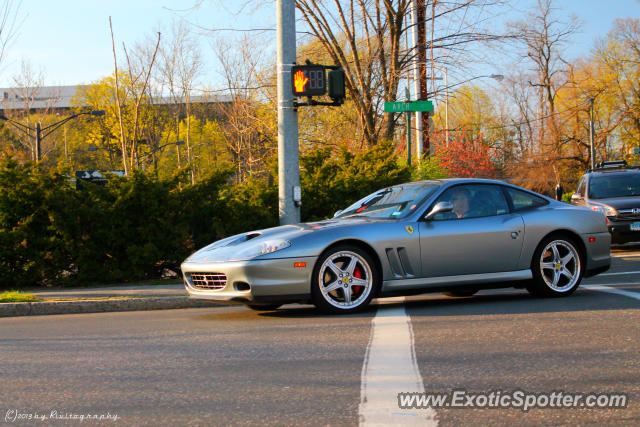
{"x": 473, "y": 201}
{"x": 581, "y": 187}
{"x": 522, "y": 200}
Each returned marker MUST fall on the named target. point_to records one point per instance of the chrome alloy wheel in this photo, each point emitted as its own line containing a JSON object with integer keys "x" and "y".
{"x": 560, "y": 265}
{"x": 345, "y": 280}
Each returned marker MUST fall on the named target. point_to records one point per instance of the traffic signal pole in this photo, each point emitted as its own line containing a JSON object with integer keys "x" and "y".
{"x": 288, "y": 156}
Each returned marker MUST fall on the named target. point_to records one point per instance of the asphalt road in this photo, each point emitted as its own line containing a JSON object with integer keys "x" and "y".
{"x": 230, "y": 365}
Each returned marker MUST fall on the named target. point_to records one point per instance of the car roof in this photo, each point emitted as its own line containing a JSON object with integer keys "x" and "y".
{"x": 613, "y": 172}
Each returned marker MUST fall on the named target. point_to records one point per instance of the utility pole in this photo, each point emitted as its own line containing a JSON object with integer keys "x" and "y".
{"x": 416, "y": 73}
{"x": 38, "y": 151}
{"x": 423, "y": 140}
{"x": 419, "y": 39}
{"x": 288, "y": 156}
{"x": 408, "y": 120}
{"x": 592, "y": 135}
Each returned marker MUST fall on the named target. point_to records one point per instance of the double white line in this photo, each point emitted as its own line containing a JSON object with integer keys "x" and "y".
{"x": 390, "y": 367}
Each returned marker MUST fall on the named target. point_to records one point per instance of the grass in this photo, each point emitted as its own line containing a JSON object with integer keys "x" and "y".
{"x": 17, "y": 296}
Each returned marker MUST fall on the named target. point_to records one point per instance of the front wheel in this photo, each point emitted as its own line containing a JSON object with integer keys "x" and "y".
{"x": 557, "y": 268}
{"x": 345, "y": 279}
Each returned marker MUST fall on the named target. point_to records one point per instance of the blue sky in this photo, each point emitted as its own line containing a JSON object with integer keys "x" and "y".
{"x": 69, "y": 39}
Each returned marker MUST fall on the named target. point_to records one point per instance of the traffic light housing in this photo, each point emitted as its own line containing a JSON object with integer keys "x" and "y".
{"x": 312, "y": 80}
{"x": 336, "y": 84}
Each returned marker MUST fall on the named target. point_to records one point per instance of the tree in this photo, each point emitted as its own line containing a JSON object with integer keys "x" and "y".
{"x": 543, "y": 38}
{"x": 139, "y": 74}
{"x": 180, "y": 67}
{"x": 466, "y": 156}
{"x": 10, "y": 21}
{"x": 249, "y": 119}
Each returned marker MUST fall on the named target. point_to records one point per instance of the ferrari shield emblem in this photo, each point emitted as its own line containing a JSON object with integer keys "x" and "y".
{"x": 409, "y": 229}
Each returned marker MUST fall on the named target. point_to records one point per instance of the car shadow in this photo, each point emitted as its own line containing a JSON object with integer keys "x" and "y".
{"x": 501, "y": 302}
{"x": 626, "y": 247}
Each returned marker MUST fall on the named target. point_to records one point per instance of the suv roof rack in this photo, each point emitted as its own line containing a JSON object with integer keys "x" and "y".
{"x": 613, "y": 164}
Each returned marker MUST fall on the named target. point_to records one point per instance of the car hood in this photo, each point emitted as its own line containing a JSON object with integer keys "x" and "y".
{"x": 618, "y": 202}
{"x": 248, "y": 245}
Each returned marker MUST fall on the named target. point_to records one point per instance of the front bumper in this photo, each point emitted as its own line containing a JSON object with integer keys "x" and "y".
{"x": 621, "y": 231}
{"x": 269, "y": 280}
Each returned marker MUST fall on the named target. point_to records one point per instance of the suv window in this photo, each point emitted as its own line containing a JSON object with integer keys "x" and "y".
{"x": 522, "y": 200}
{"x": 614, "y": 185}
{"x": 473, "y": 201}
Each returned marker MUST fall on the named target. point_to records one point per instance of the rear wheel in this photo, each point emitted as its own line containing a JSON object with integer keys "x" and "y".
{"x": 269, "y": 307}
{"x": 557, "y": 267}
{"x": 345, "y": 279}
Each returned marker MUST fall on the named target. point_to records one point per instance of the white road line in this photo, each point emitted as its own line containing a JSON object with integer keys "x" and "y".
{"x": 616, "y": 274}
{"x": 390, "y": 367}
{"x": 611, "y": 290}
{"x": 623, "y": 255}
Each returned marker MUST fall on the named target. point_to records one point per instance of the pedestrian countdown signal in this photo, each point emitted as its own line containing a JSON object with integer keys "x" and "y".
{"x": 308, "y": 80}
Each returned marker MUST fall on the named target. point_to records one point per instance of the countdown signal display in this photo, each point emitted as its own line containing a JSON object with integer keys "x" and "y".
{"x": 308, "y": 80}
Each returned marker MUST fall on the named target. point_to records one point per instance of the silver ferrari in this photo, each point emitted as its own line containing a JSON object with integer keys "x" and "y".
{"x": 455, "y": 236}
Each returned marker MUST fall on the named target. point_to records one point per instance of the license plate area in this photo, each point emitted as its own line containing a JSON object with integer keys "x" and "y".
{"x": 634, "y": 226}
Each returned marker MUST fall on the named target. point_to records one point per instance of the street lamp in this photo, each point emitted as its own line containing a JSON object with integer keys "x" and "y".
{"x": 43, "y": 132}
{"x": 177, "y": 143}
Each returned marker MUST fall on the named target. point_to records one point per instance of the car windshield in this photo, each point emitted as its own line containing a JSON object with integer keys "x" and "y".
{"x": 391, "y": 203}
{"x": 619, "y": 185}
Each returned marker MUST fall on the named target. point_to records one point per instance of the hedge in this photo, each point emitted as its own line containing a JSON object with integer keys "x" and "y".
{"x": 133, "y": 228}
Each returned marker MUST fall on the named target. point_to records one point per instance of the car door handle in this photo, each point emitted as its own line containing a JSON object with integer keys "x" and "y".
{"x": 515, "y": 234}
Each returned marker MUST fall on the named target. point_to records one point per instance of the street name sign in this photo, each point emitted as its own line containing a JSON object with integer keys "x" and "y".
{"x": 403, "y": 107}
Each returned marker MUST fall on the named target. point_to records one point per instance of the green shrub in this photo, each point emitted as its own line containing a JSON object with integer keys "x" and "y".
{"x": 134, "y": 227}
{"x": 29, "y": 245}
{"x": 332, "y": 181}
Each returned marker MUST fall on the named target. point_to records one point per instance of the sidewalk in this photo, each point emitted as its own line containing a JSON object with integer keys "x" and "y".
{"x": 113, "y": 291}
{"x": 95, "y": 300}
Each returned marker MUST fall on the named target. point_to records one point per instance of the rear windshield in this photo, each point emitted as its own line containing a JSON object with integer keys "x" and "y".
{"x": 392, "y": 203}
{"x": 620, "y": 185}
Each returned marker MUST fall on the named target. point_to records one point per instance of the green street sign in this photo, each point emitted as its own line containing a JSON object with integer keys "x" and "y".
{"x": 402, "y": 107}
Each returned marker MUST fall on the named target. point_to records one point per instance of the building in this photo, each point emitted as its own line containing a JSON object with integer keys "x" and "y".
{"x": 58, "y": 99}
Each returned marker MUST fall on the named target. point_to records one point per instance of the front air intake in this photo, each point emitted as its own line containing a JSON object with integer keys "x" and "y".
{"x": 208, "y": 280}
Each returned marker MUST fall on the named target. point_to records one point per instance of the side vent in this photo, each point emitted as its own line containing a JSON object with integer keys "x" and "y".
{"x": 404, "y": 262}
{"x": 394, "y": 262}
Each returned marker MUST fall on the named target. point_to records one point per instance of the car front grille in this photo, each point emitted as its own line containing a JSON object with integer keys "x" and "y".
{"x": 629, "y": 213}
{"x": 208, "y": 280}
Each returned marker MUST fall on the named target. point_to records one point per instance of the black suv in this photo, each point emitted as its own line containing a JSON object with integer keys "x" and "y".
{"x": 613, "y": 188}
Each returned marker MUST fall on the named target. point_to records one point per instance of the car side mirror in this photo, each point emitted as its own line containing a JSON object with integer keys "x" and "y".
{"x": 338, "y": 212}
{"x": 576, "y": 197}
{"x": 440, "y": 207}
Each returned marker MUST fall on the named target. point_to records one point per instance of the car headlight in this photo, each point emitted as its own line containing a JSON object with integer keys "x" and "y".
{"x": 605, "y": 210}
{"x": 266, "y": 247}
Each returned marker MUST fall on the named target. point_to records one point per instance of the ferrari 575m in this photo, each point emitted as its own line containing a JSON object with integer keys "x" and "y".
{"x": 454, "y": 236}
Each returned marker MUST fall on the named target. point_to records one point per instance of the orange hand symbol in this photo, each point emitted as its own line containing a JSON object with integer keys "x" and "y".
{"x": 299, "y": 81}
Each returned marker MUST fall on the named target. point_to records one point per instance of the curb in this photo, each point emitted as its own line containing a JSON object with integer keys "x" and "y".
{"x": 99, "y": 306}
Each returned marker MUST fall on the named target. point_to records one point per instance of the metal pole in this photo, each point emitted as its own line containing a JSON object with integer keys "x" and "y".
{"x": 408, "y": 120}
{"x": 66, "y": 150}
{"x": 592, "y": 136}
{"x": 38, "y": 140}
{"x": 416, "y": 74}
{"x": 446, "y": 107}
{"x": 288, "y": 160}
{"x": 422, "y": 59}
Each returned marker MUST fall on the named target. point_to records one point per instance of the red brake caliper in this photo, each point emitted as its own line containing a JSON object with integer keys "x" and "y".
{"x": 358, "y": 275}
